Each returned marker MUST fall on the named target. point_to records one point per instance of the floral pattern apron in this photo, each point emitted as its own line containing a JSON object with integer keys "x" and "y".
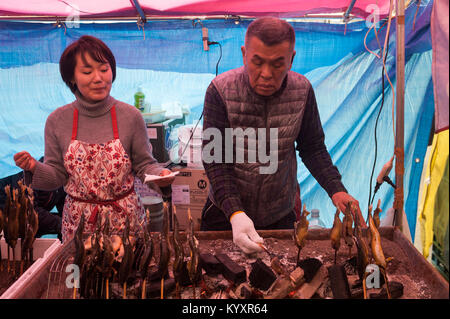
{"x": 100, "y": 180}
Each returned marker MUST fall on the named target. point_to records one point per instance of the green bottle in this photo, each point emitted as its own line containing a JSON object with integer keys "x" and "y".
{"x": 139, "y": 100}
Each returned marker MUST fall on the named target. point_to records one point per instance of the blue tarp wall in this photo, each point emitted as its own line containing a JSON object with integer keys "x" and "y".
{"x": 173, "y": 69}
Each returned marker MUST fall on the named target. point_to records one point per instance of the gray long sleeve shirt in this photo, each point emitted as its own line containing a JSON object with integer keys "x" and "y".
{"x": 94, "y": 126}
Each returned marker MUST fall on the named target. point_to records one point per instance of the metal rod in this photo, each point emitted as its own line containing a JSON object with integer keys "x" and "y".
{"x": 138, "y": 8}
{"x": 349, "y": 9}
{"x": 53, "y": 18}
{"x": 400, "y": 101}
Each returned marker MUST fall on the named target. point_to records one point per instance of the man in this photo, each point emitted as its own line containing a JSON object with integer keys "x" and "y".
{"x": 44, "y": 202}
{"x": 266, "y": 96}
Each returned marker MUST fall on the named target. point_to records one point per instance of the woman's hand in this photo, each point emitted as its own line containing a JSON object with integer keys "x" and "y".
{"x": 165, "y": 181}
{"x": 25, "y": 161}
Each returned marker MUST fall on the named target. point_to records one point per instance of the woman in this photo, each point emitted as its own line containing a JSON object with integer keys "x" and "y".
{"x": 95, "y": 145}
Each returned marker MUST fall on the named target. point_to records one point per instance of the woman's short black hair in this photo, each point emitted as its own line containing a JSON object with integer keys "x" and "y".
{"x": 93, "y": 46}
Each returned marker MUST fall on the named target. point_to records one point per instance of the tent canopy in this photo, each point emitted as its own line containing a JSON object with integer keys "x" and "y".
{"x": 108, "y": 8}
{"x": 167, "y": 59}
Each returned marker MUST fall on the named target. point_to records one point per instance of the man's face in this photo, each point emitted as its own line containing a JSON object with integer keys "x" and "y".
{"x": 267, "y": 66}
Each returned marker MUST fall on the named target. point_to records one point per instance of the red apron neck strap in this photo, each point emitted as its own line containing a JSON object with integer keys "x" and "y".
{"x": 114, "y": 122}
{"x": 113, "y": 118}
{"x": 74, "y": 124}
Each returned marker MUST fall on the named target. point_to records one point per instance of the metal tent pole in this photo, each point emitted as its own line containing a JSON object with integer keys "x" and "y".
{"x": 400, "y": 114}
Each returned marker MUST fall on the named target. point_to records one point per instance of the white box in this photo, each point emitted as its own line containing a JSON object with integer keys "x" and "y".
{"x": 43, "y": 249}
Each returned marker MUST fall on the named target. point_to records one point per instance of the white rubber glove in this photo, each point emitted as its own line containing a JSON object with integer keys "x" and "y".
{"x": 244, "y": 233}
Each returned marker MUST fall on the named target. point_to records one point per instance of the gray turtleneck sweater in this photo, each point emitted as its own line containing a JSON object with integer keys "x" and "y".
{"x": 94, "y": 126}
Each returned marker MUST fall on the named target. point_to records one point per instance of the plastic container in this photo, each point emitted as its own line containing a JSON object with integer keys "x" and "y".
{"x": 139, "y": 100}
{"x": 155, "y": 207}
{"x": 154, "y": 117}
{"x": 43, "y": 249}
{"x": 190, "y": 149}
{"x": 315, "y": 222}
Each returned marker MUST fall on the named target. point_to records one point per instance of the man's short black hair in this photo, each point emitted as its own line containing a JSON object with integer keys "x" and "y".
{"x": 271, "y": 31}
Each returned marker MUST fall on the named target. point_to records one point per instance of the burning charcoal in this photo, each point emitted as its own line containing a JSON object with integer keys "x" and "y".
{"x": 307, "y": 290}
{"x": 284, "y": 286}
{"x": 261, "y": 276}
{"x": 243, "y": 291}
{"x": 231, "y": 270}
{"x": 210, "y": 264}
{"x": 339, "y": 282}
{"x": 310, "y": 266}
{"x": 395, "y": 288}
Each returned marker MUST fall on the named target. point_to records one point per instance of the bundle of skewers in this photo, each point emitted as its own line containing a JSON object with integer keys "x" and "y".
{"x": 18, "y": 220}
{"x": 122, "y": 259}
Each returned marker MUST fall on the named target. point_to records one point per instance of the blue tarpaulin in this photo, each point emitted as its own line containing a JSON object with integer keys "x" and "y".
{"x": 167, "y": 59}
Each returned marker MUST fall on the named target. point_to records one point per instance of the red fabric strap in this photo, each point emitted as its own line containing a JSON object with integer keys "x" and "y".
{"x": 114, "y": 122}
{"x": 113, "y": 118}
{"x": 75, "y": 124}
{"x": 113, "y": 202}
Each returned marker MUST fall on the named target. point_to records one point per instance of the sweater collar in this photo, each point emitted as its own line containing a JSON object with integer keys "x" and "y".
{"x": 93, "y": 109}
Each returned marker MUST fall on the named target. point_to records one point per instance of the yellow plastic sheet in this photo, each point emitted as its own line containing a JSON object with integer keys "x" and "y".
{"x": 434, "y": 174}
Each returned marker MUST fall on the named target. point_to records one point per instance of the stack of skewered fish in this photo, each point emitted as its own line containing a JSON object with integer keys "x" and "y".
{"x": 124, "y": 259}
{"x": 19, "y": 220}
{"x": 367, "y": 248}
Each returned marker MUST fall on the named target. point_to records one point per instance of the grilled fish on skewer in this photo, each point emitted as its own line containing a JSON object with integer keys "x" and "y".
{"x": 127, "y": 260}
{"x": 146, "y": 255}
{"x": 335, "y": 234}
{"x": 376, "y": 215}
{"x": 178, "y": 261}
{"x": 301, "y": 230}
{"x": 377, "y": 251}
{"x": 23, "y": 200}
{"x": 164, "y": 255}
{"x": 347, "y": 228}
{"x": 33, "y": 221}
{"x": 362, "y": 257}
{"x": 193, "y": 264}
{"x": 13, "y": 225}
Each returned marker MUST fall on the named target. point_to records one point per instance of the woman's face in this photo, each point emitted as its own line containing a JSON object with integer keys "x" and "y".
{"x": 92, "y": 78}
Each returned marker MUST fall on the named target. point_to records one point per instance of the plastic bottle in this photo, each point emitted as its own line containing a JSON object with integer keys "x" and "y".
{"x": 139, "y": 100}
{"x": 315, "y": 222}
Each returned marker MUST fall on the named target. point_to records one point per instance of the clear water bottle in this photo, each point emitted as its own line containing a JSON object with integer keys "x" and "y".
{"x": 315, "y": 222}
{"x": 139, "y": 100}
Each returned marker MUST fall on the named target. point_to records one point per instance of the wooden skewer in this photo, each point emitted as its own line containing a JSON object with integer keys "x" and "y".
{"x": 364, "y": 286}
{"x": 125, "y": 290}
{"x": 8, "y": 259}
{"x": 162, "y": 288}
{"x": 143, "y": 289}
{"x": 107, "y": 288}
{"x": 74, "y": 293}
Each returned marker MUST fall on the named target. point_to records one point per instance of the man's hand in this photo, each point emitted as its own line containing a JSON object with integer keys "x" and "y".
{"x": 25, "y": 161}
{"x": 165, "y": 181}
{"x": 244, "y": 233}
{"x": 341, "y": 199}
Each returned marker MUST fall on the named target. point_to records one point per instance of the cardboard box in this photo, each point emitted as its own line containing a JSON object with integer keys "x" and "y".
{"x": 189, "y": 190}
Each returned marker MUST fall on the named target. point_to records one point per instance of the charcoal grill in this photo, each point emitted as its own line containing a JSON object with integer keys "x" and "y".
{"x": 49, "y": 280}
